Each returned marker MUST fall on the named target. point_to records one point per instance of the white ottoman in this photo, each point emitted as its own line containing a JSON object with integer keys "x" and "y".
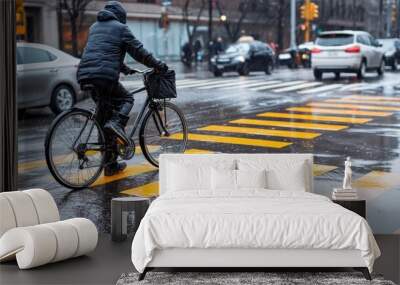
{"x": 31, "y": 232}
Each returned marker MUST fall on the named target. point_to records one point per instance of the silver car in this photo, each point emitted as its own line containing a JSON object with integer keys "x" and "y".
{"x": 46, "y": 77}
{"x": 347, "y": 52}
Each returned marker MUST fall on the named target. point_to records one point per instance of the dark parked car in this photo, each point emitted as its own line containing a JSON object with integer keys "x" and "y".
{"x": 244, "y": 57}
{"x": 391, "y": 49}
{"x": 46, "y": 77}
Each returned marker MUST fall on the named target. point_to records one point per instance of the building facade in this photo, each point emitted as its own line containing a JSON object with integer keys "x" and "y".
{"x": 267, "y": 20}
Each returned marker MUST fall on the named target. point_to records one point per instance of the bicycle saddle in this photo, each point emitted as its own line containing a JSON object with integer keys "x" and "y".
{"x": 87, "y": 87}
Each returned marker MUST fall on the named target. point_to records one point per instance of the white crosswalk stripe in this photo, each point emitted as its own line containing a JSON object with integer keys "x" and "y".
{"x": 232, "y": 83}
{"x": 273, "y": 86}
{"x": 253, "y": 84}
{"x": 195, "y": 81}
{"x": 321, "y": 89}
{"x": 297, "y": 87}
{"x": 208, "y": 83}
{"x": 352, "y": 87}
{"x": 257, "y": 83}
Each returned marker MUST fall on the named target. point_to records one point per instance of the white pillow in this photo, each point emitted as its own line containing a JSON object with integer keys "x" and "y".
{"x": 251, "y": 178}
{"x": 183, "y": 177}
{"x": 223, "y": 179}
{"x": 283, "y": 174}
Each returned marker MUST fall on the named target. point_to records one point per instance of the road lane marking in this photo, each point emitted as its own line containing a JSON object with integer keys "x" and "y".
{"x": 339, "y": 111}
{"x": 232, "y": 83}
{"x": 288, "y": 124}
{"x": 233, "y": 140}
{"x": 254, "y": 84}
{"x": 146, "y": 190}
{"x": 351, "y": 101}
{"x": 375, "y": 98}
{"x": 321, "y": 89}
{"x": 297, "y": 87}
{"x": 290, "y": 83}
{"x": 353, "y": 106}
{"x": 349, "y": 120}
{"x": 321, "y": 169}
{"x": 378, "y": 180}
{"x": 262, "y": 132}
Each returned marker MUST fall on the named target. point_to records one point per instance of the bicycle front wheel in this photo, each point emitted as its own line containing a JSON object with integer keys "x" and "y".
{"x": 164, "y": 130}
{"x": 75, "y": 149}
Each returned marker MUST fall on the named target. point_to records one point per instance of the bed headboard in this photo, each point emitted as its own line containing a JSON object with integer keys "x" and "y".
{"x": 212, "y": 159}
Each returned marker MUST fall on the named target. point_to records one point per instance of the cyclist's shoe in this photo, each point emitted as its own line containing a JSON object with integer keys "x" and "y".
{"x": 114, "y": 168}
{"x": 116, "y": 127}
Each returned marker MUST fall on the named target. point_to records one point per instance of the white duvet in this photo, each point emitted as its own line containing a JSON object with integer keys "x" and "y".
{"x": 250, "y": 219}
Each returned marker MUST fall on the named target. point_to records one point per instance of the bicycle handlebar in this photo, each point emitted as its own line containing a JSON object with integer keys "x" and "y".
{"x": 144, "y": 71}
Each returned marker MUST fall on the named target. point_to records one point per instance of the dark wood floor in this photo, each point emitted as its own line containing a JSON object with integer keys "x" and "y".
{"x": 110, "y": 260}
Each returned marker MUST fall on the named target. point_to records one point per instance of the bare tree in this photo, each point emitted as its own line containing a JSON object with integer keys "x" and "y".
{"x": 75, "y": 10}
{"x": 233, "y": 28}
{"x": 191, "y": 26}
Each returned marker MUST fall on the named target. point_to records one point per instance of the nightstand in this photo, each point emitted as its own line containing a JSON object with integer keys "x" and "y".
{"x": 120, "y": 208}
{"x": 357, "y": 206}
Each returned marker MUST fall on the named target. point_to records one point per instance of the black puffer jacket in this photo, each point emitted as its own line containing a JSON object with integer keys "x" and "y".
{"x": 108, "y": 42}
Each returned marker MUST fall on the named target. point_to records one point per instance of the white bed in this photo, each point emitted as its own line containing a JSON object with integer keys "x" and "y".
{"x": 203, "y": 219}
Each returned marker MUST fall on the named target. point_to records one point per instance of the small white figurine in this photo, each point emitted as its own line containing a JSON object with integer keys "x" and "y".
{"x": 347, "y": 174}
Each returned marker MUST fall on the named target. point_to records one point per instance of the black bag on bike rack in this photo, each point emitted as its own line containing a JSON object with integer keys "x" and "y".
{"x": 161, "y": 85}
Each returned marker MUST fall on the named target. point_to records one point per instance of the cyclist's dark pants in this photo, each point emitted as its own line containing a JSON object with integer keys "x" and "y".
{"x": 115, "y": 104}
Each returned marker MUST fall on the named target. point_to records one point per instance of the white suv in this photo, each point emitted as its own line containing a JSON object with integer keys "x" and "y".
{"x": 348, "y": 52}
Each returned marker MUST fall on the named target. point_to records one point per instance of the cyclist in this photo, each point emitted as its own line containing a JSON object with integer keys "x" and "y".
{"x": 102, "y": 61}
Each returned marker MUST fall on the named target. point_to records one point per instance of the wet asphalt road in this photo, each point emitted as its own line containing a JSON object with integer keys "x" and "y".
{"x": 331, "y": 119}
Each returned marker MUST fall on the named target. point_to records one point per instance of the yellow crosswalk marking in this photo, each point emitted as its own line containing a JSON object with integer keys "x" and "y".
{"x": 233, "y": 140}
{"x": 375, "y": 98}
{"x": 147, "y": 190}
{"x": 349, "y": 120}
{"x": 59, "y": 159}
{"x": 131, "y": 170}
{"x": 353, "y": 106}
{"x": 355, "y": 101}
{"x": 339, "y": 111}
{"x": 198, "y": 151}
{"x": 321, "y": 169}
{"x": 288, "y": 124}
{"x": 378, "y": 180}
{"x": 263, "y": 132}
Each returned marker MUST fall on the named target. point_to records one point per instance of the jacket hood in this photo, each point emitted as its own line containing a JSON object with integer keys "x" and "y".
{"x": 112, "y": 11}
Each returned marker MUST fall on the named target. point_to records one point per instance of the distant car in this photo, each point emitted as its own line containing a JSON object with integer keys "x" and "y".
{"x": 294, "y": 57}
{"x": 289, "y": 58}
{"x": 46, "y": 77}
{"x": 244, "y": 57}
{"x": 348, "y": 52}
{"x": 391, "y": 49}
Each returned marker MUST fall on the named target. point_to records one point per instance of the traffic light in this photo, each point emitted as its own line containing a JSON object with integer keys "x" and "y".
{"x": 304, "y": 12}
{"x": 394, "y": 12}
{"x": 313, "y": 11}
{"x": 309, "y": 11}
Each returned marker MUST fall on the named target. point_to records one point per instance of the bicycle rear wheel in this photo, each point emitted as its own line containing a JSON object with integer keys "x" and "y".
{"x": 164, "y": 130}
{"x": 75, "y": 149}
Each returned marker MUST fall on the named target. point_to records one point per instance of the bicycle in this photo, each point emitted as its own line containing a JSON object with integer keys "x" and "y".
{"x": 75, "y": 144}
